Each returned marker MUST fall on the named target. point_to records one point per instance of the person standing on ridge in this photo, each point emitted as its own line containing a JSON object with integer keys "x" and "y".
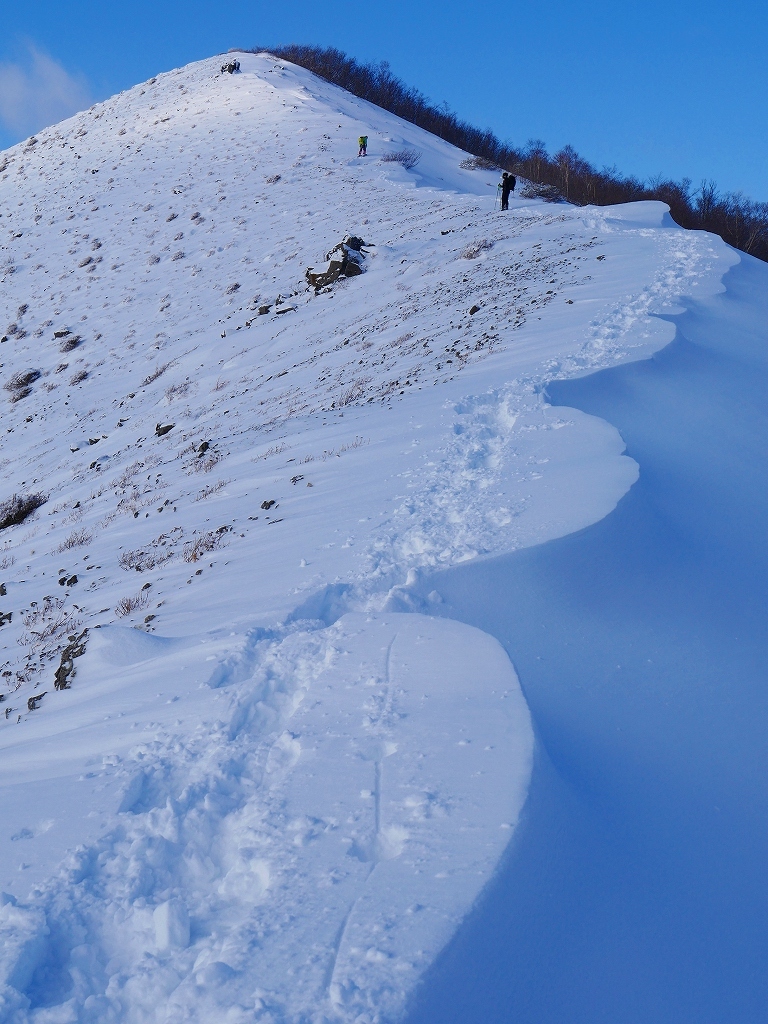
{"x": 506, "y": 185}
{"x": 362, "y": 143}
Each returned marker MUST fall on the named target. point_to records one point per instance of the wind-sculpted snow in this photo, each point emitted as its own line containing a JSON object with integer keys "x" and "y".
{"x": 306, "y": 849}
{"x": 246, "y": 775}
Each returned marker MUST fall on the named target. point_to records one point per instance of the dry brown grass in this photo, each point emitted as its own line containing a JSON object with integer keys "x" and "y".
{"x": 205, "y": 542}
{"x": 76, "y": 539}
{"x": 128, "y": 605}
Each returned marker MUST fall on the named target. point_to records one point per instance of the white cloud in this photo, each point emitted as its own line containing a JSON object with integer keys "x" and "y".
{"x": 37, "y": 91}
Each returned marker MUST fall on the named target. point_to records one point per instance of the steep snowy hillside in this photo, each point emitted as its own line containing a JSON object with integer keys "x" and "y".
{"x": 246, "y": 774}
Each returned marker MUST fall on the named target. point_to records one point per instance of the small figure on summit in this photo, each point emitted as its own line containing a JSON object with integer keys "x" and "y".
{"x": 362, "y": 143}
{"x": 507, "y": 185}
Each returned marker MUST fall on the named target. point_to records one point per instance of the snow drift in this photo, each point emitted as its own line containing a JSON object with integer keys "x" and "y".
{"x": 273, "y": 780}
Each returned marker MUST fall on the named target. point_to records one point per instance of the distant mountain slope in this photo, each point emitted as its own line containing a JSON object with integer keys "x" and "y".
{"x": 242, "y": 479}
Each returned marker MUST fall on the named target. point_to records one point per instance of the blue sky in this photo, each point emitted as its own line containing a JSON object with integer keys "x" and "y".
{"x": 674, "y": 88}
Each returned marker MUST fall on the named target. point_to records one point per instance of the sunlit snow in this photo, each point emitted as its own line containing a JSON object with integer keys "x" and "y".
{"x": 278, "y": 779}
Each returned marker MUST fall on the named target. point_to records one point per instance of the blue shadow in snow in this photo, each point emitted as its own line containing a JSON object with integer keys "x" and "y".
{"x": 635, "y": 891}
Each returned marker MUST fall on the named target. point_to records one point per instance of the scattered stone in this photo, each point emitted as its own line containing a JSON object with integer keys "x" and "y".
{"x": 161, "y": 430}
{"x": 473, "y": 310}
{"x": 266, "y": 505}
{"x": 34, "y": 702}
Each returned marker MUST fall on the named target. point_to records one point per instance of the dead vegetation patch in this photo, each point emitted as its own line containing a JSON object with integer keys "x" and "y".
{"x": 128, "y": 605}
{"x": 16, "y": 509}
{"x": 156, "y": 552}
{"x": 76, "y": 539}
{"x": 205, "y": 542}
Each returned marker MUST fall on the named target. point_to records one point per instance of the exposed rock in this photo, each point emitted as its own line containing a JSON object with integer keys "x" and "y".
{"x": 66, "y": 670}
{"x": 347, "y": 259}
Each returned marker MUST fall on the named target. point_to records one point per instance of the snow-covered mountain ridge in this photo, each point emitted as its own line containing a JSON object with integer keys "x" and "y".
{"x": 257, "y": 757}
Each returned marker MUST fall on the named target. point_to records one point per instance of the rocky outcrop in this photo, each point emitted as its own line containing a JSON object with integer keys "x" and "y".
{"x": 347, "y": 259}
{"x": 66, "y": 669}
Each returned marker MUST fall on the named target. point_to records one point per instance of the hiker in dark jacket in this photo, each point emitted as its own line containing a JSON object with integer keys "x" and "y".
{"x": 508, "y": 183}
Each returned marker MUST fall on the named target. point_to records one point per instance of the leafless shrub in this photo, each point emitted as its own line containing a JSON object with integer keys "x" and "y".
{"x": 153, "y": 260}
{"x": 407, "y": 157}
{"x": 76, "y": 539}
{"x": 359, "y": 442}
{"x": 127, "y": 605}
{"x": 355, "y": 391}
{"x": 157, "y": 372}
{"x": 157, "y": 552}
{"x": 16, "y": 396}
{"x": 273, "y": 179}
{"x": 143, "y": 561}
{"x": 220, "y": 384}
{"x": 235, "y": 287}
{"x": 15, "y": 510}
{"x": 61, "y": 367}
{"x": 125, "y": 478}
{"x": 276, "y": 449}
{"x": 7, "y": 561}
{"x": 539, "y": 190}
{"x": 206, "y": 492}
{"x": 478, "y": 163}
{"x": 47, "y": 623}
{"x": 178, "y": 255}
{"x": 209, "y": 460}
{"x": 178, "y": 390}
{"x": 79, "y": 377}
{"x": 21, "y": 379}
{"x": 70, "y": 343}
{"x": 473, "y": 250}
{"x": 205, "y": 542}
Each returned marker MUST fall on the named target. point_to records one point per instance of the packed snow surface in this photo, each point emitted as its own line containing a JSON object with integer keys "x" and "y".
{"x": 275, "y": 780}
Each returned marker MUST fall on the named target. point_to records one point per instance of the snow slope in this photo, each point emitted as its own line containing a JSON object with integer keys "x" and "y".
{"x": 277, "y": 782}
